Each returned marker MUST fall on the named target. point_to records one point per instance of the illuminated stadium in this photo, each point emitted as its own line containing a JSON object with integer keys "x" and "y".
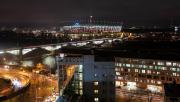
{"x": 93, "y": 26}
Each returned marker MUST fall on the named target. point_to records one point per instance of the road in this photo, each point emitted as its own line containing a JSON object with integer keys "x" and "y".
{"x": 18, "y": 80}
{"x": 40, "y": 86}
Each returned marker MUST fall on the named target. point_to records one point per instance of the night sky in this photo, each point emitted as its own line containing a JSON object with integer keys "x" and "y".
{"x": 131, "y": 12}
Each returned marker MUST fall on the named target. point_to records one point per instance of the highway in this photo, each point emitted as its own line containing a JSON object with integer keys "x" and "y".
{"x": 17, "y": 78}
{"x": 40, "y": 86}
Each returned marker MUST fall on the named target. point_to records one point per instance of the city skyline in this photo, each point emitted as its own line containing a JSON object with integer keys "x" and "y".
{"x": 89, "y": 51}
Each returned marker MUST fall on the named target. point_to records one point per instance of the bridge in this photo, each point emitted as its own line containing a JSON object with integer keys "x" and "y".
{"x": 20, "y": 51}
{"x": 52, "y": 47}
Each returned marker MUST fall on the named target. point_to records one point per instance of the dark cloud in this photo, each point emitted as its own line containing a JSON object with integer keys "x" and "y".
{"x": 52, "y": 11}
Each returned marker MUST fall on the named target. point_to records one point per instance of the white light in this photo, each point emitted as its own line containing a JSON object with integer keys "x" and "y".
{"x": 27, "y": 64}
{"x": 15, "y": 52}
{"x": 58, "y": 47}
{"x": 1, "y": 52}
{"x": 131, "y": 85}
{"x": 61, "y": 55}
{"x": 96, "y": 99}
{"x": 154, "y": 88}
{"x": 24, "y": 51}
{"x": 49, "y": 61}
{"x": 6, "y": 66}
{"x": 176, "y": 29}
{"x": 16, "y": 83}
{"x": 49, "y": 48}
{"x": 98, "y": 42}
{"x": 96, "y": 83}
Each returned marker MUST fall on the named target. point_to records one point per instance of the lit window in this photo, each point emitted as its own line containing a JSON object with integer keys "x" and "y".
{"x": 121, "y": 69}
{"x": 164, "y": 68}
{"x": 158, "y": 82}
{"x": 168, "y": 63}
{"x": 95, "y": 75}
{"x": 159, "y": 68}
{"x": 154, "y": 63}
{"x": 160, "y": 63}
{"x": 152, "y": 81}
{"x": 178, "y": 69}
{"x": 129, "y": 70}
{"x": 174, "y": 74}
{"x": 158, "y": 73}
{"x": 80, "y": 76}
{"x": 80, "y": 68}
{"x": 178, "y": 64}
{"x": 132, "y": 65}
{"x": 140, "y": 66}
{"x": 76, "y": 92}
{"x": 173, "y": 69}
{"x": 174, "y": 64}
{"x": 120, "y": 78}
{"x": 81, "y": 92}
{"x": 96, "y": 91}
{"x": 149, "y": 71}
{"x": 80, "y": 85}
{"x": 116, "y": 69}
{"x": 136, "y": 70}
{"x": 117, "y": 73}
{"x": 128, "y": 65}
{"x": 96, "y": 99}
{"x": 120, "y": 65}
{"x": 144, "y": 66}
{"x": 147, "y": 81}
{"x": 150, "y": 67}
{"x": 143, "y": 71}
{"x": 117, "y": 84}
{"x": 96, "y": 83}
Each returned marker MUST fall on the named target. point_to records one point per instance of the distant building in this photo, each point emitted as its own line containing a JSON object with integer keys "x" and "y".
{"x": 146, "y": 73}
{"x": 172, "y": 92}
{"x": 101, "y": 78}
{"x": 93, "y": 79}
{"x": 77, "y": 28}
{"x": 94, "y": 25}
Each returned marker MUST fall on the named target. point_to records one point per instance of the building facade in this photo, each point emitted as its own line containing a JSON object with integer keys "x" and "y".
{"x": 93, "y": 80}
{"x": 145, "y": 73}
{"x": 77, "y": 28}
{"x": 97, "y": 79}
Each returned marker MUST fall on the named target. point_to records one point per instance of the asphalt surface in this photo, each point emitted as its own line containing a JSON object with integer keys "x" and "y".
{"x": 18, "y": 80}
{"x": 40, "y": 86}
